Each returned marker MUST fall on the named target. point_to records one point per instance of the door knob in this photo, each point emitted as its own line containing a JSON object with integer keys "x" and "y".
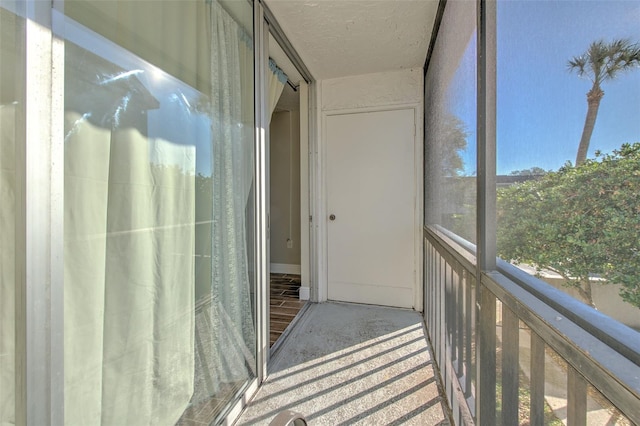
{"x": 332, "y": 217}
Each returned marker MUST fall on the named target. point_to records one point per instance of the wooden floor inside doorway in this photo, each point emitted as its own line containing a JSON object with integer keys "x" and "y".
{"x": 285, "y": 303}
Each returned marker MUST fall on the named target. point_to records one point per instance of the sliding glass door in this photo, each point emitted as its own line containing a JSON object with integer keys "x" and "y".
{"x": 159, "y": 129}
{"x": 154, "y": 107}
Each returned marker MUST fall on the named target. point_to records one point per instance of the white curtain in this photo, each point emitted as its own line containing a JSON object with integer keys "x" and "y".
{"x": 226, "y": 328}
{"x": 277, "y": 80}
{"x": 129, "y": 242}
{"x": 7, "y": 263}
{"x": 9, "y": 58}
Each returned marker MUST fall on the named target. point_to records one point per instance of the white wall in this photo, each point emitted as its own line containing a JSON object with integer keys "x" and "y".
{"x": 284, "y": 163}
{"x": 607, "y": 299}
{"x": 372, "y": 90}
{"x": 361, "y": 93}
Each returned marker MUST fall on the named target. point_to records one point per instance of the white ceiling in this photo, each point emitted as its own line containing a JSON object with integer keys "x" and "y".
{"x": 337, "y": 38}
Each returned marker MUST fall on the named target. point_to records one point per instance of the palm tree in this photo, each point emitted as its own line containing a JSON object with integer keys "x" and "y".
{"x": 601, "y": 62}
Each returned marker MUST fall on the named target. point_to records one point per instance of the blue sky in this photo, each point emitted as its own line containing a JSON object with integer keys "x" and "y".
{"x": 541, "y": 106}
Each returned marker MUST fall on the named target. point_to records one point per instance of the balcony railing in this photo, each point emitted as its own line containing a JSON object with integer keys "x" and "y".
{"x": 512, "y": 349}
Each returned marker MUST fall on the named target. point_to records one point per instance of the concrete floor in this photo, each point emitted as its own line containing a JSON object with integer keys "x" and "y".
{"x": 348, "y": 364}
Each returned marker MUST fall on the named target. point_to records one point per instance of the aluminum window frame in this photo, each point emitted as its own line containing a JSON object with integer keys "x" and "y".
{"x": 39, "y": 281}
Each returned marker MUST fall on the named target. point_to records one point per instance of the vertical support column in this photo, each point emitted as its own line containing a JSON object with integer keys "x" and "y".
{"x": 461, "y": 318}
{"x": 576, "y": 398}
{"x": 468, "y": 334}
{"x": 453, "y": 319}
{"x": 321, "y": 212}
{"x": 486, "y": 358}
{"x": 426, "y": 313}
{"x": 442, "y": 314}
{"x": 510, "y": 366}
{"x": 39, "y": 225}
{"x": 473, "y": 337}
{"x": 537, "y": 380}
{"x": 438, "y": 299}
{"x": 431, "y": 291}
{"x": 448, "y": 367}
{"x": 430, "y": 311}
{"x": 305, "y": 223}
{"x": 434, "y": 295}
{"x": 486, "y": 209}
{"x": 318, "y": 229}
{"x": 486, "y": 160}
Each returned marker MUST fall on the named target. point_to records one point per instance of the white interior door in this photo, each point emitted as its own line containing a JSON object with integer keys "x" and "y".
{"x": 371, "y": 207}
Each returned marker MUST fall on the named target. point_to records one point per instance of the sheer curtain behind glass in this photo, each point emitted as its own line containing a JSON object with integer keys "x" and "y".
{"x": 158, "y": 167}
{"x": 233, "y": 344}
{"x": 11, "y": 103}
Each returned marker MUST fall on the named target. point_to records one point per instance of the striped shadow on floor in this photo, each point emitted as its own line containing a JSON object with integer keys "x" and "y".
{"x": 347, "y": 364}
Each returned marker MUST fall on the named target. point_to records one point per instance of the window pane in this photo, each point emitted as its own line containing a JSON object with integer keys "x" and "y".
{"x": 569, "y": 72}
{"x": 11, "y": 105}
{"x": 450, "y": 196}
{"x": 159, "y": 310}
{"x": 450, "y": 127}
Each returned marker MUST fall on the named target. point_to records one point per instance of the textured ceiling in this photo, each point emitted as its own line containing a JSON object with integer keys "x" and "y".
{"x": 337, "y": 38}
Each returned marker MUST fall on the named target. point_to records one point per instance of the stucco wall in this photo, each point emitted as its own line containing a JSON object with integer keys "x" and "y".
{"x": 607, "y": 300}
{"x": 606, "y": 297}
{"x": 372, "y": 90}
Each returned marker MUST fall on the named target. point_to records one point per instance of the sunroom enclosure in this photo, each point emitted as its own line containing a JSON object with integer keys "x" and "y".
{"x": 134, "y": 215}
{"x": 131, "y": 172}
{"x": 511, "y": 348}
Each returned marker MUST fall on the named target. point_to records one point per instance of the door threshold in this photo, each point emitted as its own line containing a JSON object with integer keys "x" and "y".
{"x": 283, "y": 337}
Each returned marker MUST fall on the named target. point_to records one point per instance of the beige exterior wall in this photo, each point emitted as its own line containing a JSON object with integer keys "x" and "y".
{"x": 607, "y": 300}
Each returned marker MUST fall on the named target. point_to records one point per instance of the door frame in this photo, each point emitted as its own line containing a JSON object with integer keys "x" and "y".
{"x": 319, "y": 196}
{"x": 305, "y": 205}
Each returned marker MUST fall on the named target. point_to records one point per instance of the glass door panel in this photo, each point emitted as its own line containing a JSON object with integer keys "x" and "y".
{"x": 159, "y": 303}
